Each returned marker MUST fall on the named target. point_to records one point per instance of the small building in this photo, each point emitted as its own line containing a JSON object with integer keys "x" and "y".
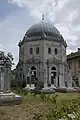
{"x": 42, "y": 56}
{"x": 73, "y": 60}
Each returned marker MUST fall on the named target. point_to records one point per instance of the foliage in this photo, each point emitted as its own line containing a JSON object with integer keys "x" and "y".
{"x": 43, "y": 96}
{"x": 6, "y": 60}
{"x": 39, "y": 84}
{"x": 20, "y": 91}
{"x": 68, "y": 109}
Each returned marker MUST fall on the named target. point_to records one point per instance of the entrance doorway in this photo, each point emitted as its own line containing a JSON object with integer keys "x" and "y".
{"x": 33, "y": 74}
{"x": 33, "y": 71}
{"x": 53, "y": 75}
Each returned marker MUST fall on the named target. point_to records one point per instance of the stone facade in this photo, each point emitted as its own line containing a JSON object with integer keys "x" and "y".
{"x": 73, "y": 60}
{"x": 49, "y": 65}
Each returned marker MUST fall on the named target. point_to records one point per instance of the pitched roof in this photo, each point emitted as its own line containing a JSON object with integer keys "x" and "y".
{"x": 73, "y": 55}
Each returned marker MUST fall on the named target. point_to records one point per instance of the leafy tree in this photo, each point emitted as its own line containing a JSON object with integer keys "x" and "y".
{"x": 6, "y": 60}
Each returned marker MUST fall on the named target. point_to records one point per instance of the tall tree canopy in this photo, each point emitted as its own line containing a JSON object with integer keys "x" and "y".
{"x": 6, "y": 59}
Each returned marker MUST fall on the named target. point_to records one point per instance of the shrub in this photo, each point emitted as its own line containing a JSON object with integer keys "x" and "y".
{"x": 68, "y": 110}
{"x": 42, "y": 96}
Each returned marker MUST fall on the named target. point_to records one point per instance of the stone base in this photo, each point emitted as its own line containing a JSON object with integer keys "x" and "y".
{"x": 65, "y": 89}
{"x": 10, "y": 99}
{"x": 47, "y": 90}
{"x": 70, "y": 89}
{"x": 61, "y": 89}
{"x": 28, "y": 87}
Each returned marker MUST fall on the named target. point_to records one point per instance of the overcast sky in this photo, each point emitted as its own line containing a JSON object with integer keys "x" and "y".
{"x": 16, "y": 16}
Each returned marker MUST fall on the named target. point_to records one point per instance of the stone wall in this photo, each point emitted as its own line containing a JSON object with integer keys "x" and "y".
{"x": 43, "y": 68}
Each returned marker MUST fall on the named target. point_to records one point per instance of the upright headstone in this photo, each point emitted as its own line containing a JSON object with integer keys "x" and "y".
{"x": 6, "y": 96}
{"x": 2, "y": 80}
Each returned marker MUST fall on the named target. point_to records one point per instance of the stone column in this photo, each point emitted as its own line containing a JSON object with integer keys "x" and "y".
{"x": 69, "y": 80}
{"x": 60, "y": 80}
{"x": 45, "y": 78}
{"x": 7, "y": 79}
{"x": 63, "y": 81}
{"x": 56, "y": 81}
{"x": 61, "y": 76}
{"x": 49, "y": 77}
{"x": 45, "y": 81}
{"x": 63, "y": 72}
{"x": 79, "y": 80}
{"x": 45, "y": 71}
{"x": 2, "y": 80}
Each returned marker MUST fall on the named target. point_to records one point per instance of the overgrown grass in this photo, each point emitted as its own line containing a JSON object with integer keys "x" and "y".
{"x": 43, "y": 107}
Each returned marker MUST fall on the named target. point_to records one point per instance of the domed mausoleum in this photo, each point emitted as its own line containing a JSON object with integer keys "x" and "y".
{"x": 42, "y": 56}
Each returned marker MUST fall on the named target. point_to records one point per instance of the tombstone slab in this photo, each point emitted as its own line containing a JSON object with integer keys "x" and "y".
{"x": 6, "y": 96}
{"x": 10, "y": 98}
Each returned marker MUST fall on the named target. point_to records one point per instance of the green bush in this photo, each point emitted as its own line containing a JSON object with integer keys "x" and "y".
{"x": 68, "y": 109}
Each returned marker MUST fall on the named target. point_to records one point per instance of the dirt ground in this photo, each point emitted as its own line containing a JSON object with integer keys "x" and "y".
{"x": 30, "y": 105}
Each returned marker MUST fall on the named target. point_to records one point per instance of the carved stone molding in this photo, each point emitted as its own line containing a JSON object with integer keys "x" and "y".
{"x": 54, "y": 60}
{"x": 33, "y": 60}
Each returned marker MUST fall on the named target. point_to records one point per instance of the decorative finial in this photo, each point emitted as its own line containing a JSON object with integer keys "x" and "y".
{"x": 42, "y": 17}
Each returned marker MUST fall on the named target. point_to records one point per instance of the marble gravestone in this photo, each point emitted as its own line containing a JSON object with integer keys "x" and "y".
{"x": 4, "y": 79}
{"x": 6, "y": 96}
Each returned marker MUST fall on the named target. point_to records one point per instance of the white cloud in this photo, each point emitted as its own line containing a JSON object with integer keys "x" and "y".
{"x": 36, "y": 7}
{"x": 1, "y": 47}
{"x": 12, "y": 29}
{"x": 64, "y": 15}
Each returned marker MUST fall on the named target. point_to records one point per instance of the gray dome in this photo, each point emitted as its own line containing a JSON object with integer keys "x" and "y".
{"x": 40, "y": 28}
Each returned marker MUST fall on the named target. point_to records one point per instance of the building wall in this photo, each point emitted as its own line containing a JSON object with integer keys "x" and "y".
{"x": 43, "y": 69}
{"x": 21, "y": 53}
{"x": 52, "y": 45}
{"x": 74, "y": 65}
{"x": 40, "y": 56}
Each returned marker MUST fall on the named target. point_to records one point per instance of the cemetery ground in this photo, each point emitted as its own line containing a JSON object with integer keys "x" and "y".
{"x": 43, "y": 107}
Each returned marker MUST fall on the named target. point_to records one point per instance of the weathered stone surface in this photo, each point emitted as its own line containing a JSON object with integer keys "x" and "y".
{"x": 6, "y": 96}
{"x": 72, "y": 90}
{"x": 10, "y": 98}
{"x": 62, "y": 90}
{"x": 43, "y": 61}
{"x": 47, "y": 90}
{"x": 65, "y": 90}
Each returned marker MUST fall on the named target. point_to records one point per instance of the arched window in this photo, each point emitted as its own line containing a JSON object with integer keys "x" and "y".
{"x": 53, "y": 68}
{"x": 49, "y": 50}
{"x": 31, "y": 50}
{"x": 33, "y": 68}
{"x": 37, "y": 50}
{"x": 55, "y": 51}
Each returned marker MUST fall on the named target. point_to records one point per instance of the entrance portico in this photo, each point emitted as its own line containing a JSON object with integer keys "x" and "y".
{"x": 31, "y": 77}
